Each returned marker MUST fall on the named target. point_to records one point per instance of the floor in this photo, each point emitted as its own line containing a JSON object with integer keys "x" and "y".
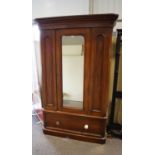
{"x": 51, "y": 145}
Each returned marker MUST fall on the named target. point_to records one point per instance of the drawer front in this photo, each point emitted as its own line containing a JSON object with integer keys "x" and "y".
{"x": 75, "y": 123}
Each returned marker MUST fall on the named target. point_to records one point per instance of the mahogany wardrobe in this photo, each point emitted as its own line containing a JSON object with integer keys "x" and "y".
{"x": 75, "y": 56}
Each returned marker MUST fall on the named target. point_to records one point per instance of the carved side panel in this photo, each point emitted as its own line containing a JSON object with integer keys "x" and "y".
{"x": 97, "y": 72}
{"x": 48, "y": 90}
{"x": 101, "y": 40}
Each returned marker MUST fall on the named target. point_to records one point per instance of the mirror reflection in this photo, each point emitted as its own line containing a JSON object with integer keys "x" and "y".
{"x": 73, "y": 71}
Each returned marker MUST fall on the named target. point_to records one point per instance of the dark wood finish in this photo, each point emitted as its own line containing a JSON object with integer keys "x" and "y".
{"x": 48, "y": 90}
{"x": 77, "y": 136}
{"x": 100, "y": 65}
{"x": 78, "y": 21}
{"x": 75, "y": 123}
{"x": 88, "y": 124}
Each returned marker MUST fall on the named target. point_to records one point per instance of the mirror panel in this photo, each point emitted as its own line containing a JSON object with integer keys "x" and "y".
{"x": 73, "y": 71}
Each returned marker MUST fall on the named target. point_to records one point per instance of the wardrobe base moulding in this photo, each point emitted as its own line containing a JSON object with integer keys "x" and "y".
{"x": 75, "y": 135}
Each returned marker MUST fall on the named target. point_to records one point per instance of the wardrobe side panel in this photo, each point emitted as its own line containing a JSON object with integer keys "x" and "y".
{"x": 101, "y": 42}
{"x": 48, "y": 90}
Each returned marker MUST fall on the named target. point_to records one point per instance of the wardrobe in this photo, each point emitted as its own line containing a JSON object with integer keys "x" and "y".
{"x": 75, "y": 56}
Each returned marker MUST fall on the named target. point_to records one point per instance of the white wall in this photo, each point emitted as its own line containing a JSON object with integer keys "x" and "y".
{"x": 109, "y": 6}
{"x": 46, "y": 8}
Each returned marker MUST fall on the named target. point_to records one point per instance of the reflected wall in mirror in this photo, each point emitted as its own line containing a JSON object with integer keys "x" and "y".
{"x": 73, "y": 71}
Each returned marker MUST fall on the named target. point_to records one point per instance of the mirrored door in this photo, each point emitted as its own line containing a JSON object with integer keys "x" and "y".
{"x": 73, "y": 70}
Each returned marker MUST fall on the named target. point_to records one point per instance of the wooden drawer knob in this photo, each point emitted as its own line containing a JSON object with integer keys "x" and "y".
{"x": 86, "y": 126}
{"x": 57, "y": 123}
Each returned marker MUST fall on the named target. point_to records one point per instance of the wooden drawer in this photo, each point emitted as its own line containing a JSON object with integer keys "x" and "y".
{"x": 78, "y": 123}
